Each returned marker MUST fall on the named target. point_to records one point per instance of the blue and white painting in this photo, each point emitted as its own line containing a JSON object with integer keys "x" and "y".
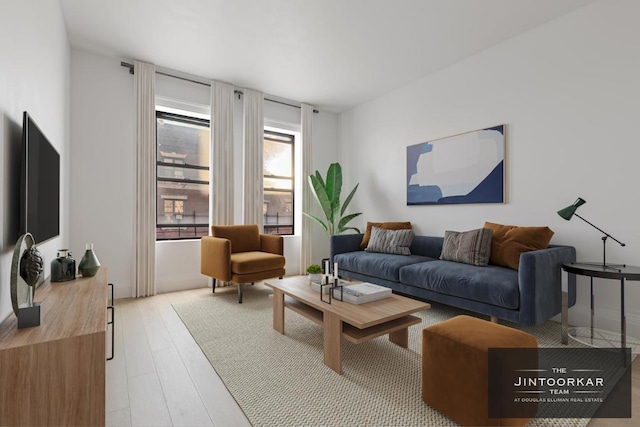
{"x": 465, "y": 168}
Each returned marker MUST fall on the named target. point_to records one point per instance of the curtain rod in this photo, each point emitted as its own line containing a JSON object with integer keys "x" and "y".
{"x": 236, "y": 91}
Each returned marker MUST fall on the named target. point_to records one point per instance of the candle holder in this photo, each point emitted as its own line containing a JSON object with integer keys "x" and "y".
{"x": 332, "y": 286}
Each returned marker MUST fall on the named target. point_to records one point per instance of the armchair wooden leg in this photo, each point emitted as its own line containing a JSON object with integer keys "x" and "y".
{"x": 240, "y": 289}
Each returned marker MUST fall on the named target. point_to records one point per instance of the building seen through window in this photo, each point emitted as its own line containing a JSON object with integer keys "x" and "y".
{"x": 278, "y": 183}
{"x": 182, "y": 181}
{"x": 182, "y": 185}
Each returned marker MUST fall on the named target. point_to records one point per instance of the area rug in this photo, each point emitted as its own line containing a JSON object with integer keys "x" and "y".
{"x": 281, "y": 380}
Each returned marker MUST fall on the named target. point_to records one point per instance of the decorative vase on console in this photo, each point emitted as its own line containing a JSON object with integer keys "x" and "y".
{"x": 63, "y": 268}
{"x": 89, "y": 264}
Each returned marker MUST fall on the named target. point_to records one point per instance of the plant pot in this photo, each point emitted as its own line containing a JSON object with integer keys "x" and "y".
{"x": 315, "y": 277}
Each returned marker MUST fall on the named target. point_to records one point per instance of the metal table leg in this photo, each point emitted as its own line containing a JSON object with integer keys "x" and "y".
{"x": 623, "y": 319}
{"x": 564, "y": 317}
{"x": 592, "y": 310}
{"x": 564, "y": 312}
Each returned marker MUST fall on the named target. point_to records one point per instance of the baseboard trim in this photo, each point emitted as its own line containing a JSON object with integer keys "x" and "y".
{"x": 605, "y": 318}
{"x": 122, "y": 289}
{"x": 180, "y": 283}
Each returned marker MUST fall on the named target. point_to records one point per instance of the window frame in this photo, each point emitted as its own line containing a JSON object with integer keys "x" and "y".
{"x": 291, "y": 140}
{"x": 188, "y": 120}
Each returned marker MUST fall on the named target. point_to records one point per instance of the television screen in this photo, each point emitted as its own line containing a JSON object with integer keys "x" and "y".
{"x": 40, "y": 189}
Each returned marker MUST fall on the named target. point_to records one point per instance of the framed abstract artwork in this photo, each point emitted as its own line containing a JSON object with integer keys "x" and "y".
{"x": 459, "y": 169}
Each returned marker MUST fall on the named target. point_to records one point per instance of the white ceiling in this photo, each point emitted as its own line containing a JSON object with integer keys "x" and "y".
{"x": 334, "y": 54}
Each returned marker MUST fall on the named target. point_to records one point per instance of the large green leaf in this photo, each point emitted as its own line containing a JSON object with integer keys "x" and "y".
{"x": 348, "y": 200}
{"x": 345, "y": 220}
{"x": 333, "y": 186}
{"x": 357, "y": 230}
{"x": 317, "y": 220}
{"x": 322, "y": 198}
{"x": 320, "y": 179}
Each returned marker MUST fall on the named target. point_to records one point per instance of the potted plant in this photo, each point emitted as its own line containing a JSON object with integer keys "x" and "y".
{"x": 327, "y": 191}
{"x": 315, "y": 272}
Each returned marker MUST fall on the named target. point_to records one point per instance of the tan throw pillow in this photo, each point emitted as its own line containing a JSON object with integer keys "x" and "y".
{"x": 384, "y": 226}
{"x": 509, "y": 241}
{"x": 469, "y": 247}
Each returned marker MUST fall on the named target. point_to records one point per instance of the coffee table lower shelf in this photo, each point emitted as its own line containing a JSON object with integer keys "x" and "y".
{"x": 349, "y": 332}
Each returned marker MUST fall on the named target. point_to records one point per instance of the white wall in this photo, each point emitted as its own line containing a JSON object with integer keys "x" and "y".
{"x": 103, "y": 164}
{"x": 568, "y": 92}
{"x": 103, "y": 176}
{"x": 325, "y": 147}
{"x": 34, "y": 77}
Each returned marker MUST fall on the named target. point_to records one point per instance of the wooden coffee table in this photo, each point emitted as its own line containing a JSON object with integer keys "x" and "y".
{"x": 356, "y": 323}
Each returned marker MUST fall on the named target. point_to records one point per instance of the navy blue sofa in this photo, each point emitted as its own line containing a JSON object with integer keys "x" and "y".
{"x": 529, "y": 296}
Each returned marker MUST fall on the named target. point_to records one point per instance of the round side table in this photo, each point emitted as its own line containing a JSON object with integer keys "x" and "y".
{"x": 591, "y": 335}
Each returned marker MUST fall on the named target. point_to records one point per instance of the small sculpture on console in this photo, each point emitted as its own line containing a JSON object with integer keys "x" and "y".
{"x": 26, "y": 273}
{"x": 31, "y": 267}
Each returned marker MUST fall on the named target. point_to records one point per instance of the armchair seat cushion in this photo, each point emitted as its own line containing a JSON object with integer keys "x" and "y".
{"x": 255, "y": 262}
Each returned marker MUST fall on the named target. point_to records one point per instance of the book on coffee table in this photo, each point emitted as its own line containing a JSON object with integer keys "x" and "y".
{"x": 362, "y": 293}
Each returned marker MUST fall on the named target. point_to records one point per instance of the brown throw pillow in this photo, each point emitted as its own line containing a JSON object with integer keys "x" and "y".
{"x": 509, "y": 241}
{"x": 384, "y": 226}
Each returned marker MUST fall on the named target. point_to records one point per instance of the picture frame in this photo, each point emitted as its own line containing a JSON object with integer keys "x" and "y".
{"x": 460, "y": 169}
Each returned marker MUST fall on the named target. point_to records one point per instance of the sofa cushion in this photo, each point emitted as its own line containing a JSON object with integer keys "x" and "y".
{"x": 384, "y": 266}
{"x": 491, "y": 284}
{"x": 390, "y": 241}
{"x": 470, "y": 247}
{"x": 427, "y": 246}
{"x": 254, "y": 262}
{"x": 383, "y": 225}
{"x": 509, "y": 241}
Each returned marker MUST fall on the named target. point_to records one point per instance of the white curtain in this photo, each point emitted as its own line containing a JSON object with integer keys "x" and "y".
{"x": 221, "y": 176}
{"x": 221, "y": 202}
{"x": 307, "y": 131}
{"x": 253, "y": 122}
{"x": 145, "y": 87}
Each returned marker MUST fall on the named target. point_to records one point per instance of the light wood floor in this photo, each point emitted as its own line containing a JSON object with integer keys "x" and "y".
{"x": 160, "y": 377}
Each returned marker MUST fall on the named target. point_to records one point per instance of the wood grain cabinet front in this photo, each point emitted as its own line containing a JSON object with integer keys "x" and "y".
{"x": 54, "y": 374}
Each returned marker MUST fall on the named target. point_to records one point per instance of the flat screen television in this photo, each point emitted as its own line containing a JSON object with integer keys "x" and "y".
{"x": 40, "y": 184}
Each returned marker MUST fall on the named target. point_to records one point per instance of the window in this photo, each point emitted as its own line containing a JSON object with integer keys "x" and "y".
{"x": 182, "y": 176}
{"x": 173, "y": 208}
{"x": 278, "y": 183}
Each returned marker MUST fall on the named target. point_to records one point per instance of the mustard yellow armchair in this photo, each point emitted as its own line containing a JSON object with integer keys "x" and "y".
{"x": 240, "y": 254}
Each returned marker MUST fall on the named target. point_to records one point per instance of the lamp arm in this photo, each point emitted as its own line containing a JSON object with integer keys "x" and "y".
{"x": 600, "y": 230}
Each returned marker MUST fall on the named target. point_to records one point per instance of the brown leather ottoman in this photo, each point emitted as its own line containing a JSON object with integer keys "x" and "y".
{"x": 455, "y": 364}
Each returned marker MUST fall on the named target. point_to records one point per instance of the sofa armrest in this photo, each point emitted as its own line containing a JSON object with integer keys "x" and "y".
{"x": 343, "y": 243}
{"x": 540, "y": 283}
{"x": 272, "y": 243}
{"x": 215, "y": 257}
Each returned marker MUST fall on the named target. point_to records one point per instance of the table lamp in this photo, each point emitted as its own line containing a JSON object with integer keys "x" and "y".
{"x": 570, "y": 211}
